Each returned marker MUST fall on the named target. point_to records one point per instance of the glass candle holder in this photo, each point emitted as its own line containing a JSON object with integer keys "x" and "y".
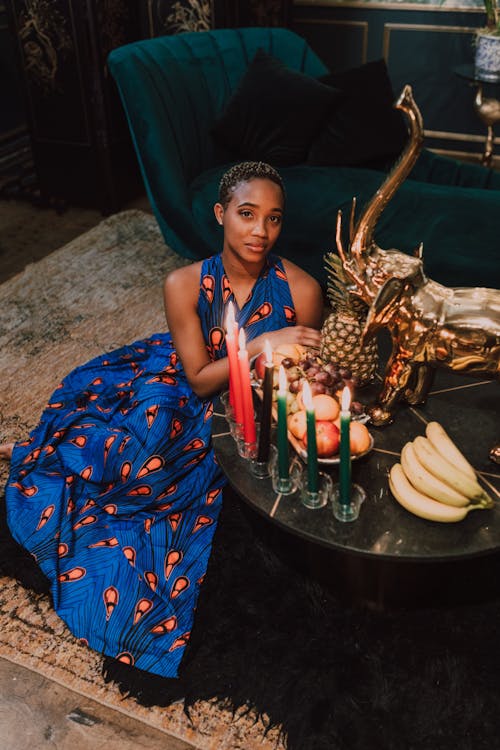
{"x": 235, "y": 428}
{"x": 348, "y": 511}
{"x": 248, "y": 450}
{"x": 319, "y": 499}
{"x": 260, "y": 469}
{"x": 226, "y": 405}
{"x": 284, "y": 485}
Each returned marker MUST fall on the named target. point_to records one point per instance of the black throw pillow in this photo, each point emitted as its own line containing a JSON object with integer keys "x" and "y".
{"x": 274, "y": 113}
{"x": 364, "y": 128}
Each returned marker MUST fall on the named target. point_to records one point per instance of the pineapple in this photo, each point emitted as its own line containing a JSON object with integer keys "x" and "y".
{"x": 342, "y": 329}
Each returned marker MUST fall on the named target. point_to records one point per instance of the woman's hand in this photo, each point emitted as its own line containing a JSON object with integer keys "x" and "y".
{"x": 303, "y": 335}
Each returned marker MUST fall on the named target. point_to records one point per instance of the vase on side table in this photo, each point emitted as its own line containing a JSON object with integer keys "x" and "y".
{"x": 487, "y": 58}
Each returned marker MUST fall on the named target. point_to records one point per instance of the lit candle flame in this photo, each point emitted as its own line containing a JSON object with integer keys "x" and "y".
{"x": 230, "y": 319}
{"x": 282, "y": 380}
{"x": 307, "y": 396}
{"x": 242, "y": 342}
{"x": 346, "y": 399}
{"x": 269, "y": 352}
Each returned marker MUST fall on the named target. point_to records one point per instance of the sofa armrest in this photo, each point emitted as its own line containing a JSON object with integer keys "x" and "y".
{"x": 442, "y": 170}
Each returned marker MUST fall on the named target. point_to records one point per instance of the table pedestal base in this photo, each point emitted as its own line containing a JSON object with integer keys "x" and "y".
{"x": 382, "y": 585}
{"x": 379, "y": 584}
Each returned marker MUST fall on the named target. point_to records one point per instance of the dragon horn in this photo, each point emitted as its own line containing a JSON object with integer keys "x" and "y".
{"x": 338, "y": 238}
{"x": 351, "y": 221}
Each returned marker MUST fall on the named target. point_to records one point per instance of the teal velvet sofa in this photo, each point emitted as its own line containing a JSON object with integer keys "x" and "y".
{"x": 174, "y": 88}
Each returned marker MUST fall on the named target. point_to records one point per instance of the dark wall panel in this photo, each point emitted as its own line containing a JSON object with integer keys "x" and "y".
{"x": 422, "y": 46}
{"x": 12, "y": 106}
{"x": 341, "y": 44}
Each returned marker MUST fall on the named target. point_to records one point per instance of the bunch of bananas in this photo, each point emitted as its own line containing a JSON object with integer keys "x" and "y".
{"x": 434, "y": 479}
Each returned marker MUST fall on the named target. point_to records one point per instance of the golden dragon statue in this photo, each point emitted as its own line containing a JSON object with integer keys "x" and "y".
{"x": 431, "y": 325}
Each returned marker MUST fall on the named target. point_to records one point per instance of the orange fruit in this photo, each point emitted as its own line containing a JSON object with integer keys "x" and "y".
{"x": 292, "y": 351}
{"x": 326, "y": 407}
{"x": 284, "y": 351}
{"x": 359, "y": 437}
{"x": 297, "y": 424}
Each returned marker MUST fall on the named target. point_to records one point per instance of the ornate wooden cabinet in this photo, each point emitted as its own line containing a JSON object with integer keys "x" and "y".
{"x": 80, "y": 141}
{"x": 15, "y": 152}
{"x": 175, "y": 16}
{"x": 234, "y": 13}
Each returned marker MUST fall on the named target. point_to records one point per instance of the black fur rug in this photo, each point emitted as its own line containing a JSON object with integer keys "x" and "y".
{"x": 333, "y": 677}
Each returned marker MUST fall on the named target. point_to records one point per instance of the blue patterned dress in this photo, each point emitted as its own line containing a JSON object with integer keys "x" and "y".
{"x": 117, "y": 491}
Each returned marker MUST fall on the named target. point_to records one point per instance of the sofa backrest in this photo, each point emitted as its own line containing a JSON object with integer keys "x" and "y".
{"x": 173, "y": 88}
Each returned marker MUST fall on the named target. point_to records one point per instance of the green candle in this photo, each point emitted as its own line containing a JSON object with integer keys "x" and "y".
{"x": 345, "y": 450}
{"x": 312, "y": 449}
{"x": 283, "y": 461}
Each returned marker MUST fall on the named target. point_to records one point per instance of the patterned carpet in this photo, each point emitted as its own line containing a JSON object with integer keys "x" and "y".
{"x": 55, "y": 315}
{"x": 28, "y": 233}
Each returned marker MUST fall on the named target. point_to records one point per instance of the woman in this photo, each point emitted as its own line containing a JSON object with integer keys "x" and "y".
{"x": 116, "y": 493}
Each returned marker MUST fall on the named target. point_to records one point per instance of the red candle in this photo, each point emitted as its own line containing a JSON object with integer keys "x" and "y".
{"x": 249, "y": 433}
{"x": 234, "y": 371}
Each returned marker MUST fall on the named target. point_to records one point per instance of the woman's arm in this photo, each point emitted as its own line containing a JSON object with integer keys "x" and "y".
{"x": 308, "y": 303}
{"x": 306, "y": 294}
{"x": 180, "y": 294}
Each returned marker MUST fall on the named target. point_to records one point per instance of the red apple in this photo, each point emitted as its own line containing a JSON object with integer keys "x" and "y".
{"x": 327, "y": 438}
{"x": 259, "y": 363}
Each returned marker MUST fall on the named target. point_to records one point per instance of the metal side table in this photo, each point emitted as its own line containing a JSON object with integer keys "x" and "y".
{"x": 487, "y": 108}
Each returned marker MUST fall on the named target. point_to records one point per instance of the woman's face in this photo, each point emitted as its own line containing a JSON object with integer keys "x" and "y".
{"x": 252, "y": 219}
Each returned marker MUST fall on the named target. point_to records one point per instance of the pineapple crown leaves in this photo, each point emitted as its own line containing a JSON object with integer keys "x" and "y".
{"x": 337, "y": 286}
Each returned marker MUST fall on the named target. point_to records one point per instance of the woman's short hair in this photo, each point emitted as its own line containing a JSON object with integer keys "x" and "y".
{"x": 243, "y": 172}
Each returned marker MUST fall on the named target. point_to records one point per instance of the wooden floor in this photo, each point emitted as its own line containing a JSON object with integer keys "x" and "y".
{"x": 37, "y": 713}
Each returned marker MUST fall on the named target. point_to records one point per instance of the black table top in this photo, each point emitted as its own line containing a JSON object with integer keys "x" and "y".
{"x": 470, "y": 412}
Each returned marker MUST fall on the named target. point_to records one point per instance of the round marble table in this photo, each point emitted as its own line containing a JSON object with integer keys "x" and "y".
{"x": 388, "y": 556}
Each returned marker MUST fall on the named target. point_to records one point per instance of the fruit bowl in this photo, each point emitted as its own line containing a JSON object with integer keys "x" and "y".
{"x": 333, "y": 459}
{"x": 327, "y": 379}
{"x": 326, "y": 384}
{"x": 301, "y": 449}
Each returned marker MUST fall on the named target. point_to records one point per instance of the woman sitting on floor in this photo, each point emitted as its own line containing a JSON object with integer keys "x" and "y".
{"x": 116, "y": 493}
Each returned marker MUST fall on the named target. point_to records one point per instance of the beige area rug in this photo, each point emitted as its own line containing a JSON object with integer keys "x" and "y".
{"x": 100, "y": 291}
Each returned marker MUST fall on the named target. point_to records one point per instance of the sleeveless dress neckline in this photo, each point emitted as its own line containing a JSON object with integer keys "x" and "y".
{"x": 262, "y": 274}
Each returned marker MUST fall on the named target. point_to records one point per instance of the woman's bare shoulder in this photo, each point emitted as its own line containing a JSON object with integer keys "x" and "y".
{"x": 187, "y": 273}
{"x": 184, "y": 280}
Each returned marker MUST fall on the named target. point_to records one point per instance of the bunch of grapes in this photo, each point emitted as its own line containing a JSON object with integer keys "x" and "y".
{"x": 329, "y": 378}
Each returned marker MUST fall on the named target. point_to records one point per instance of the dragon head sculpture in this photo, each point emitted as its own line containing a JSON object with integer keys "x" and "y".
{"x": 431, "y": 325}
{"x": 366, "y": 265}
